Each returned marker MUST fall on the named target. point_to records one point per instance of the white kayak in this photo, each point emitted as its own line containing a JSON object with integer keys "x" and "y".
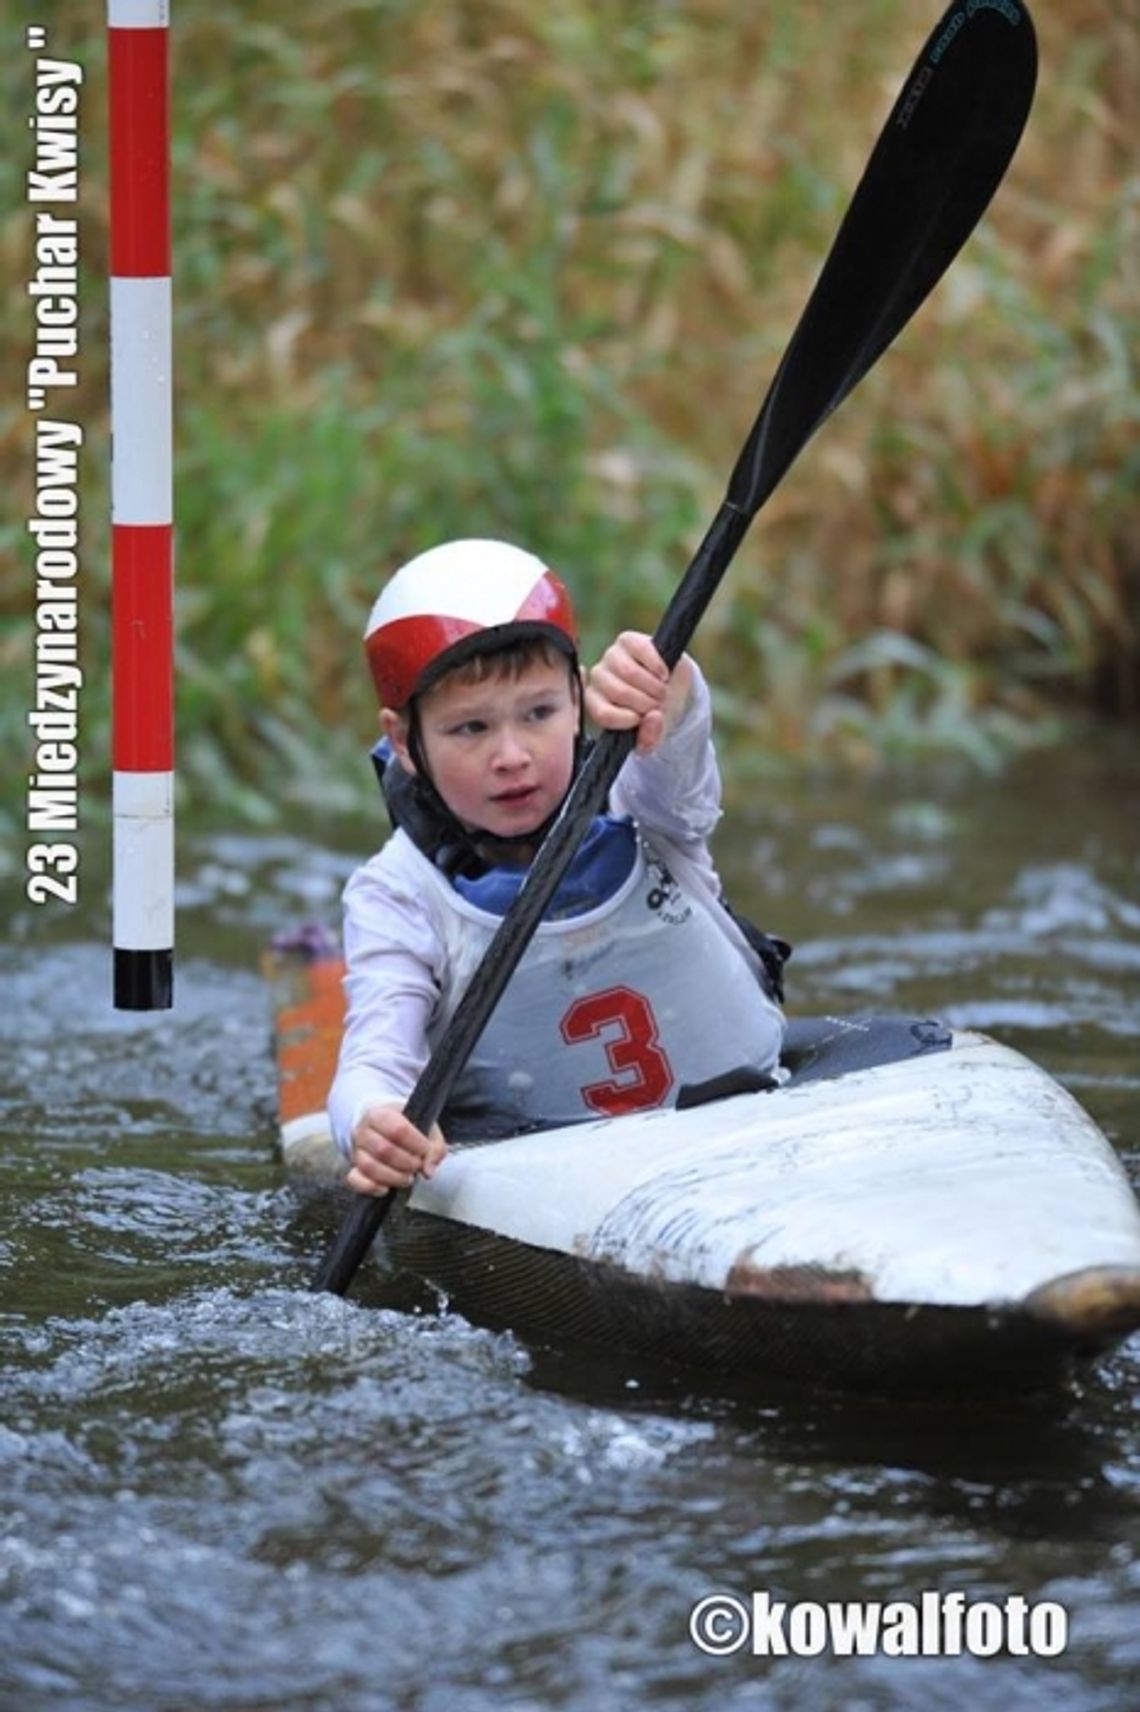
{"x": 915, "y": 1208}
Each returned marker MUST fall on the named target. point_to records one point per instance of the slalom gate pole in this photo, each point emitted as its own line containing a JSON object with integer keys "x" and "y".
{"x": 142, "y": 580}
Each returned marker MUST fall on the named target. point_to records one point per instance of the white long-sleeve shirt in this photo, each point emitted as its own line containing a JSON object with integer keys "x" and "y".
{"x": 395, "y": 938}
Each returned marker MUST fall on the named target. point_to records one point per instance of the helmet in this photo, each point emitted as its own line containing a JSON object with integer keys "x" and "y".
{"x": 456, "y": 600}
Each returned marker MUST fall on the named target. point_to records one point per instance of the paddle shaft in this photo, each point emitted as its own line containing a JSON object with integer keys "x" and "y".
{"x": 939, "y": 159}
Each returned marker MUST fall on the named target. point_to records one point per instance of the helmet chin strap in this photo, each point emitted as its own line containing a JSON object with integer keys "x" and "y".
{"x": 465, "y": 845}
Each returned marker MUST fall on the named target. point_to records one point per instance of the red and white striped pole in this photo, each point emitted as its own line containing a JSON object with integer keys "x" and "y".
{"x": 141, "y": 504}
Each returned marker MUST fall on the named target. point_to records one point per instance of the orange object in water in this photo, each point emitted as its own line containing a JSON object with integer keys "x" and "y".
{"x": 308, "y": 1023}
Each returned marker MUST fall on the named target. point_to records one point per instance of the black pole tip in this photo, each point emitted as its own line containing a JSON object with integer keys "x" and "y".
{"x": 144, "y": 980}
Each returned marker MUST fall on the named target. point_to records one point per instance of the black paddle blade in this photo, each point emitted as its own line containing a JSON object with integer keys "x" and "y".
{"x": 949, "y": 139}
{"x": 942, "y": 154}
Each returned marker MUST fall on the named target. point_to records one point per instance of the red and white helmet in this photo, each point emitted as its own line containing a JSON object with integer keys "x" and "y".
{"x": 462, "y": 598}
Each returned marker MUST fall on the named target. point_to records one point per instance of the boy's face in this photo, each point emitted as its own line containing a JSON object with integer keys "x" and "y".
{"x": 500, "y": 752}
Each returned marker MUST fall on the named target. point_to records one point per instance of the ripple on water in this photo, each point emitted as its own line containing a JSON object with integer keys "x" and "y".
{"x": 243, "y": 1470}
{"x": 73, "y": 1062}
{"x": 224, "y": 1493}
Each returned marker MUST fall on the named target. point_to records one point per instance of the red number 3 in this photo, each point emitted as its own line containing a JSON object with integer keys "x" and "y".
{"x": 634, "y": 1048}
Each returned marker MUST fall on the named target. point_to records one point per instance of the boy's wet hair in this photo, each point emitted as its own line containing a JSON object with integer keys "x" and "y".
{"x": 508, "y": 662}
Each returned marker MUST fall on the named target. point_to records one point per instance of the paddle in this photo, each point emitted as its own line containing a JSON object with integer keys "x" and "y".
{"x": 940, "y": 157}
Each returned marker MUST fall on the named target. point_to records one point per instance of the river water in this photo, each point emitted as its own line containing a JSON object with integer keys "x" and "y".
{"x": 221, "y": 1491}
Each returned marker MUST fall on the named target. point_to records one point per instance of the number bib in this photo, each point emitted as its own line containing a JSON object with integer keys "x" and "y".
{"x": 608, "y": 1012}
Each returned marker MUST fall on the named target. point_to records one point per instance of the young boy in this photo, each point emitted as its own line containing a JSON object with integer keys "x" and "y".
{"x": 638, "y": 980}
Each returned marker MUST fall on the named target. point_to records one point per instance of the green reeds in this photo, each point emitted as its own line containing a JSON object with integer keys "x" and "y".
{"x": 512, "y": 269}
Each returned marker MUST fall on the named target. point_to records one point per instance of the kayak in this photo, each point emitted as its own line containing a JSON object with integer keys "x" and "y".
{"x": 915, "y": 1208}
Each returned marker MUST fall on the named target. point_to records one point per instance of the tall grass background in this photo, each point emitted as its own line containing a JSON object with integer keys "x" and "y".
{"x": 500, "y": 267}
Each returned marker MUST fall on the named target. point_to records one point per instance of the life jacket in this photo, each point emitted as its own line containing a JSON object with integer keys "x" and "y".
{"x": 612, "y": 1009}
{"x": 628, "y": 995}
{"x": 418, "y": 811}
